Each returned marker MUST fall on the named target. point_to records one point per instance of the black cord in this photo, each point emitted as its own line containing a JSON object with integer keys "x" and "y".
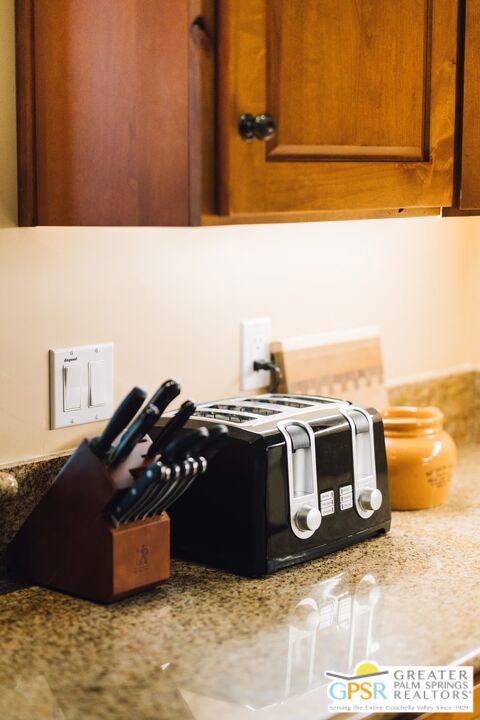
{"x": 274, "y": 370}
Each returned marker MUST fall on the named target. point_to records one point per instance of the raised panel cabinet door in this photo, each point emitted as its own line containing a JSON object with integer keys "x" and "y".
{"x": 362, "y": 94}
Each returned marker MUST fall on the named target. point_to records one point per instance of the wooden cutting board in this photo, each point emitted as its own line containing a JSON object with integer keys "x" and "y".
{"x": 346, "y": 364}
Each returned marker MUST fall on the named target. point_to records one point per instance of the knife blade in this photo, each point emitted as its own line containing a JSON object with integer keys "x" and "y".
{"x": 171, "y": 428}
{"x": 167, "y": 392}
{"x": 133, "y": 434}
{"x": 124, "y": 413}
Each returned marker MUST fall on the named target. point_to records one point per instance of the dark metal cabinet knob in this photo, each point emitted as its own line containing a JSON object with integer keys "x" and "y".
{"x": 260, "y": 126}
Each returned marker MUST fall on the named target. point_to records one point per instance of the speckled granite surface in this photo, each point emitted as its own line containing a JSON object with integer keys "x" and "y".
{"x": 8, "y": 484}
{"x": 458, "y": 396}
{"x": 32, "y": 480}
{"x": 212, "y": 646}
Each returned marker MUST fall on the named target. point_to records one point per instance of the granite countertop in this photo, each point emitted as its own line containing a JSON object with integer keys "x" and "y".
{"x": 212, "y": 646}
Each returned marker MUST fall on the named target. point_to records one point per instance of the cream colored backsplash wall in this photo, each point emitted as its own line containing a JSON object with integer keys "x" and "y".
{"x": 171, "y": 300}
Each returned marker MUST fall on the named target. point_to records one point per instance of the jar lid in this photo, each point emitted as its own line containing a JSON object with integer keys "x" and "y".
{"x": 412, "y": 420}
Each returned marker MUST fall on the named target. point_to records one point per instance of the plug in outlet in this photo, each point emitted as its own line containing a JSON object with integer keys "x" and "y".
{"x": 254, "y": 345}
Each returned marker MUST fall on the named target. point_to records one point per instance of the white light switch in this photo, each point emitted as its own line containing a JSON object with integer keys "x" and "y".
{"x": 81, "y": 384}
{"x": 72, "y": 387}
{"x": 96, "y": 382}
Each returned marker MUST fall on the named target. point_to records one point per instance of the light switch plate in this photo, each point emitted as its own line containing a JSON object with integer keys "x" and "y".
{"x": 87, "y": 357}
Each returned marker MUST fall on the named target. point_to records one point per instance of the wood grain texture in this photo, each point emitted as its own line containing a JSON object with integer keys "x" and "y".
{"x": 25, "y": 68}
{"x": 402, "y": 105}
{"x": 202, "y": 132}
{"x": 382, "y": 83}
{"x": 111, "y": 111}
{"x": 470, "y": 156}
{"x": 351, "y": 369}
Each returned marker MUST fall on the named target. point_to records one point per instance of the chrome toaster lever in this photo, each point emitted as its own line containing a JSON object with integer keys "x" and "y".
{"x": 368, "y": 498}
{"x": 305, "y": 516}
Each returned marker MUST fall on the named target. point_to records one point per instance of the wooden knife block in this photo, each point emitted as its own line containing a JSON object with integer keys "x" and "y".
{"x": 68, "y": 544}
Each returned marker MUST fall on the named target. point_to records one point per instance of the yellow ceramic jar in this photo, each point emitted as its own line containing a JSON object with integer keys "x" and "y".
{"x": 421, "y": 457}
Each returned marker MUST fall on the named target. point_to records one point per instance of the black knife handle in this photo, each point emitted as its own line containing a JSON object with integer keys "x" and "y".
{"x": 147, "y": 499}
{"x": 185, "y": 445}
{"x": 173, "y": 426}
{"x": 182, "y": 487}
{"x": 127, "y": 409}
{"x": 128, "y": 498}
{"x": 167, "y": 392}
{"x": 216, "y": 438}
{"x": 140, "y": 426}
{"x": 210, "y": 446}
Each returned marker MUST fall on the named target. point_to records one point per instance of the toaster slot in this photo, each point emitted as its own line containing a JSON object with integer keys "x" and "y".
{"x": 319, "y": 400}
{"x": 223, "y": 415}
{"x": 251, "y": 407}
{"x": 258, "y": 410}
{"x": 285, "y": 402}
{"x": 305, "y": 400}
{"x": 368, "y": 498}
{"x": 305, "y": 516}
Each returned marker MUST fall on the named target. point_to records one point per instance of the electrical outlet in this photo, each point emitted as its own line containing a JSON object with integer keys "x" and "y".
{"x": 254, "y": 345}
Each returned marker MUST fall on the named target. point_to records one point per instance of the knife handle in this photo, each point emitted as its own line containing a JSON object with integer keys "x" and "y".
{"x": 124, "y": 413}
{"x": 167, "y": 392}
{"x": 173, "y": 426}
{"x": 140, "y": 426}
{"x": 207, "y": 450}
{"x": 129, "y": 497}
{"x": 185, "y": 445}
{"x": 216, "y": 438}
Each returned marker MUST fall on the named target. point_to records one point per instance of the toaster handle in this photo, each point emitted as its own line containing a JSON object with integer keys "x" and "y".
{"x": 368, "y": 497}
{"x": 305, "y": 515}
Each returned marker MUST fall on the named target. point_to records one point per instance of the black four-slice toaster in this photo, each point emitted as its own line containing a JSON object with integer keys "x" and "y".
{"x": 300, "y": 476}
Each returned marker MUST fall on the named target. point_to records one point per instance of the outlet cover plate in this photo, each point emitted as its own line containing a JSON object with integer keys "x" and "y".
{"x": 85, "y": 357}
{"x": 255, "y": 338}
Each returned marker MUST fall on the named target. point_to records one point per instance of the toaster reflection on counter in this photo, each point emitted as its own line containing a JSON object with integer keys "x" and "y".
{"x": 299, "y": 476}
{"x": 330, "y": 614}
{"x": 334, "y": 627}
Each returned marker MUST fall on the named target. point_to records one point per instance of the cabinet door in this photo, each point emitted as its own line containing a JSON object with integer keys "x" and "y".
{"x": 363, "y": 96}
{"x": 103, "y": 121}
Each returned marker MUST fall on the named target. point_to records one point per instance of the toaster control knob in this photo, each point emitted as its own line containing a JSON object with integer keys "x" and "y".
{"x": 370, "y": 499}
{"x": 308, "y": 518}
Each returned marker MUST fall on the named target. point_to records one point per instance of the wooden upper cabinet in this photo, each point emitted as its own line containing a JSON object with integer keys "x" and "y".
{"x": 362, "y": 94}
{"x": 103, "y": 112}
{"x": 128, "y": 110}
